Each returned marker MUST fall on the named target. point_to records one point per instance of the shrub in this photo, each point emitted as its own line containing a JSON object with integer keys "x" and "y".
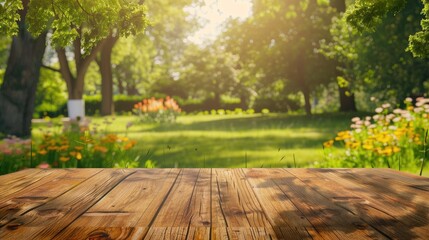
{"x": 387, "y": 139}
{"x": 77, "y": 144}
{"x": 14, "y": 154}
{"x": 157, "y": 110}
{"x": 73, "y": 144}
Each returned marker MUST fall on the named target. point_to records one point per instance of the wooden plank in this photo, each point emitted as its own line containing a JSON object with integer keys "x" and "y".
{"x": 49, "y": 219}
{"x": 289, "y": 221}
{"x": 14, "y": 182}
{"x": 130, "y": 207}
{"x": 371, "y": 210}
{"x": 375, "y": 180}
{"x": 176, "y": 233}
{"x": 239, "y": 207}
{"x": 41, "y": 192}
{"x": 383, "y": 197}
{"x": 417, "y": 184}
{"x": 187, "y": 206}
{"x": 326, "y": 217}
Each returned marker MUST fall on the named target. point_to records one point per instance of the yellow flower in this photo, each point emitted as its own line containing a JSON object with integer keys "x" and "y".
{"x": 52, "y": 148}
{"x": 63, "y": 147}
{"x": 368, "y": 145}
{"x": 43, "y": 152}
{"x": 328, "y": 144}
{"x": 396, "y": 149}
{"x": 343, "y": 136}
{"x": 64, "y": 159}
{"x": 79, "y": 156}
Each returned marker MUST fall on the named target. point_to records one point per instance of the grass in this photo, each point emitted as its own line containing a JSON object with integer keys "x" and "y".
{"x": 233, "y": 141}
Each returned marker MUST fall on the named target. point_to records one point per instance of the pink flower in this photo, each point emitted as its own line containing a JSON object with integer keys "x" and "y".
{"x": 44, "y": 166}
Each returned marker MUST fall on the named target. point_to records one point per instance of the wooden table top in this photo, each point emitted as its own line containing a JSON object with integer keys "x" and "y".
{"x": 213, "y": 204}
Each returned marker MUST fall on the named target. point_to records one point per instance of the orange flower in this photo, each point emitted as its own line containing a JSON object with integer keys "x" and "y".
{"x": 64, "y": 159}
{"x": 130, "y": 145}
{"x": 43, "y": 152}
{"x": 63, "y": 147}
{"x": 52, "y": 148}
{"x": 99, "y": 148}
{"x": 78, "y": 148}
{"x": 328, "y": 144}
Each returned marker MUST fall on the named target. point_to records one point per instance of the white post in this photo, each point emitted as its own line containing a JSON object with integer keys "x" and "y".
{"x": 76, "y": 108}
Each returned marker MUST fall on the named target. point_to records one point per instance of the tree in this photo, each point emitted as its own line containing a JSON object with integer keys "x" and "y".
{"x": 367, "y": 15}
{"x": 17, "y": 92}
{"x": 130, "y": 15}
{"x": 283, "y": 36}
{"x": 152, "y": 57}
{"x": 347, "y": 98}
{"x": 376, "y": 61}
{"x": 89, "y": 28}
{"x": 209, "y": 73}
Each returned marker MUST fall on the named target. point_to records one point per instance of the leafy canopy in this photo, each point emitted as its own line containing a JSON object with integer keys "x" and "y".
{"x": 9, "y": 16}
{"x": 69, "y": 19}
{"x": 367, "y": 15}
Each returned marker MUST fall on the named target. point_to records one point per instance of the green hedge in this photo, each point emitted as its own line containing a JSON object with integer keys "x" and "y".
{"x": 92, "y": 106}
{"x": 124, "y": 104}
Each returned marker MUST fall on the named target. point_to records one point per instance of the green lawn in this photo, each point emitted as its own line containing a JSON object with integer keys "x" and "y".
{"x": 270, "y": 140}
{"x": 234, "y": 141}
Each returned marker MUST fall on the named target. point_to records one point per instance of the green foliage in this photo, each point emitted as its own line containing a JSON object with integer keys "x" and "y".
{"x": 419, "y": 42}
{"x": 278, "y": 44}
{"x": 392, "y": 139}
{"x": 50, "y": 95}
{"x": 9, "y": 16}
{"x": 376, "y": 62}
{"x": 74, "y": 144}
{"x": 368, "y": 15}
{"x": 145, "y": 64}
{"x": 209, "y": 73}
{"x": 91, "y": 21}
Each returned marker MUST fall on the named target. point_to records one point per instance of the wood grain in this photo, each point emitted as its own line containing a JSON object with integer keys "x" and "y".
{"x": 213, "y": 204}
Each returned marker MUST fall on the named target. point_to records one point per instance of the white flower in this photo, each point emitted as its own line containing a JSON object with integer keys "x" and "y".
{"x": 386, "y": 105}
{"x": 379, "y": 110}
{"x": 408, "y": 100}
{"x": 396, "y": 119}
{"x": 418, "y": 109}
{"x": 355, "y": 119}
{"x": 393, "y": 127}
{"x": 397, "y": 111}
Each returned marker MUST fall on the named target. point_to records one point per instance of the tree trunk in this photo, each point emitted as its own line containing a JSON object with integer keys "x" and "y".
{"x": 17, "y": 93}
{"x": 105, "y": 65}
{"x": 121, "y": 88}
{"x": 75, "y": 84}
{"x": 216, "y": 101}
{"x": 307, "y": 106}
{"x": 340, "y": 5}
{"x": 347, "y": 100}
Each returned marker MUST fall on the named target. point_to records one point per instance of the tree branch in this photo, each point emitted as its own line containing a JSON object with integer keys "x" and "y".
{"x": 51, "y": 68}
{"x": 65, "y": 69}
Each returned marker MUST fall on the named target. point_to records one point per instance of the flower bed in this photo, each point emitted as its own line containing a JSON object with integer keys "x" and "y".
{"x": 393, "y": 138}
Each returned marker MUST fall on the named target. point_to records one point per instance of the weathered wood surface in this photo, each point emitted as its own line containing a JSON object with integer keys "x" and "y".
{"x": 213, "y": 204}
